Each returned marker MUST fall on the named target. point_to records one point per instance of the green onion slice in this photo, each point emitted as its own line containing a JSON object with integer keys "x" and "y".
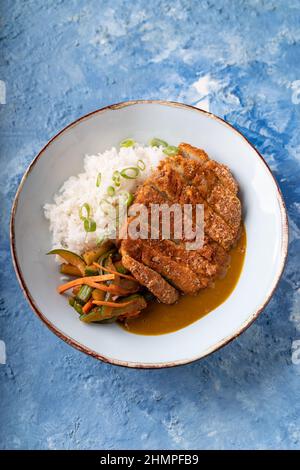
{"x": 141, "y": 165}
{"x": 106, "y": 206}
{"x": 98, "y": 180}
{"x": 89, "y": 225}
{"x": 158, "y": 143}
{"x": 130, "y": 173}
{"x": 111, "y": 190}
{"x": 85, "y": 208}
{"x": 126, "y": 198}
{"x": 171, "y": 150}
{"x": 127, "y": 143}
{"x": 116, "y": 178}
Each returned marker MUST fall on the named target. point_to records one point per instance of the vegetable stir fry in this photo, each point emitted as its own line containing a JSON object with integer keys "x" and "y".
{"x": 103, "y": 291}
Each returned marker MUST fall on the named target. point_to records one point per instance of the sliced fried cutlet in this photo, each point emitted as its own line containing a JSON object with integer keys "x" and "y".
{"x": 159, "y": 264}
{"x": 178, "y": 274}
{"x": 153, "y": 253}
{"x": 132, "y": 248}
{"x": 151, "y": 279}
{"x": 163, "y": 182}
{"x": 195, "y": 153}
{"x": 224, "y": 174}
{"x": 207, "y": 263}
{"x": 224, "y": 202}
{"x": 148, "y": 252}
{"x": 147, "y": 195}
{"x": 221, "y": 170}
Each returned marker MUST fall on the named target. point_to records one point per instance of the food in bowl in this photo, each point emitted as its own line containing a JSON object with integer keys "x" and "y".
{"x": 138, "y": 280}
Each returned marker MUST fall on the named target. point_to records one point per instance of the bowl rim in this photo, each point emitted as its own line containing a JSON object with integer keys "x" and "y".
{"x": 138, "y": 365}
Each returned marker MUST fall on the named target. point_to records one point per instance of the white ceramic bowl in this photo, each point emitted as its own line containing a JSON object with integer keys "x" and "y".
{"x": 264, "y": 215}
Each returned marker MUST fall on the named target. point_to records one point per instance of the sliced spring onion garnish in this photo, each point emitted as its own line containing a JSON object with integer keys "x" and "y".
{"x": 129, "y": 199}
{"x": 116, "y": 178}
{"x": 126, "y": 198}
{"x": 130, "y": 172}
{"x": 127, "y": 143}
{"x": 106, "y": 206}
{"x": 89, "y": 225}
{"x": 141, "y": 165}
{"x": 171, "y": 150}
{"x": 158, "y": 143}
{"x": 111, "y": 190}
{"x": 84, "y": 211}
{"x": 98, "y": 180}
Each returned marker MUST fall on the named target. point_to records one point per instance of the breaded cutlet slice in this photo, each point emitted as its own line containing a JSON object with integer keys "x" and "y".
{"x": 206, "y": 262}
{"x": 177, "y": 274}
{"x": 172, "y": 189}
{"x": 222, "y": 171}
{"x": 221, "y": 199}
{"x": 151, "y": 279}
{"x": 206, "y": 269}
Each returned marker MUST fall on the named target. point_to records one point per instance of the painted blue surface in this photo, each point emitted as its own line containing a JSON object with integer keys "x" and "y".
{"x": 62, "y": 59}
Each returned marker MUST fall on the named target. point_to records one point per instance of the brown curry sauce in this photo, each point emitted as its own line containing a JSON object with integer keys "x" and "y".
{"x": 160, "y": 318}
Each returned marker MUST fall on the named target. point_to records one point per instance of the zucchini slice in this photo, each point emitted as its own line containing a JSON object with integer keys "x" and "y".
{"x": 91, "y": 271}
{"x": 106, "y": 314}
{"x": 97, "y": 316}
{"x": 138, "y": 303}
{"x": 92, "y": 316}
{"x": 71, "y": 258}
{"x": 92, "y": 255}
{"x": 69, "y": 270}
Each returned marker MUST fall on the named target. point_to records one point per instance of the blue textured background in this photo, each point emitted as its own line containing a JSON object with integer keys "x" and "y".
{"x": 61, "y": 59}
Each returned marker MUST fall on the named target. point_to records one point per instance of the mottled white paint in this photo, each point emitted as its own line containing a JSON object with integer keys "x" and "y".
{"x": 169, "y": 48}
{"x": 204, "y": 87}
{"x": 2, "y": 352}
{"x": 294, "y": 232}
{"x": 295, "y": 314}
{"x": 175, "y": 431}
{"x": 2, "y": 92}
{"x": 296, "y": 352}
{"x": 295, "y": 86}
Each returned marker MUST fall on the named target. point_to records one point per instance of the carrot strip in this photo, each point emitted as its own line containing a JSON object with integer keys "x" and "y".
{"x": 111, "y": 304}
{"x": 112, "y": 289}
{"x": 84, "y": 280}
{"x": 87, "y": 307}
{"x": 116, "y": 290}
{"x": 131, "y": 278}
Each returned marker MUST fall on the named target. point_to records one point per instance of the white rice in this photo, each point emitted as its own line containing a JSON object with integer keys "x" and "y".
{"x": 65, "y": 224}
